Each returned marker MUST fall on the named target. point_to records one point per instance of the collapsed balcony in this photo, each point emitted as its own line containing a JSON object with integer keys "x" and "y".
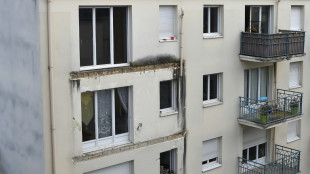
{"x": 287, "y": 161}
{"x": 265, "y": 114}
{"x": 258, "y": 47}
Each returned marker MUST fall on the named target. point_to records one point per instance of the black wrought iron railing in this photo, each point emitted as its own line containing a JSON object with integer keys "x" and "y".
{"x": 288, "y": 104}
{"x": 287, "y": 161}
{"x": 272, "y": 45}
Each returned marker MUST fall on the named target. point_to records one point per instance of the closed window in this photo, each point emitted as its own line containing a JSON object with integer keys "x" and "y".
{"x": 295, "y": 74}
{"x": 293, "y": 131}
{"x": 211, "y": 88}
{"x": 168, "y": 162}
{"x": 103, "y": 37}
{"x": 210, "y": 153}
{"x": 256, "y": 82}
{"x": 123, "y": 168}
{"x": 167, "y": 23}
{"x": 255, "y": 153}
{"x": 211, "y": 21}
{"x": 297, "y": 18}
{"x": 258, "y": 19}
{"x": 105, "y": 117}
{"x": 167, "y": 96}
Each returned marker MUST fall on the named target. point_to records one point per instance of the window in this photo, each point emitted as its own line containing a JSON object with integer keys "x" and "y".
{"x": 293, "y": 131}
{"x": 295, "y": 75}
{"x": 255, "y": 153}
{"x": 105, "y": 117}
{"x": 103, "y": 37}
{"x": 257, "y": 19}
{"x": 124, "y": 168}
{"x": 211, "y": 88}
{"x": 168, "y": 162}
{"x": 297, "y": 18}
{"x": 167, "y": 96}
{"x": 167, "y": 23}
{"x": 210, "y": 154}
{"x": 211, "y": 21}
{"x": 256, "y": 83}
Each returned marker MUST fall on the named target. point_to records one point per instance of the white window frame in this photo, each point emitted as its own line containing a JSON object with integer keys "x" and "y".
{"x": 111, "y": 65}
{"x": 299, "y": 75}
{"x": 165, "y": 39}
{"x": 214, "y": 34}
{"x": 258, "y": 87}
{"x": 260, "y": 18}
{"x": 113, "y": 140}
{"x": 290, "y": 137}
{"x": 213, "y": 164}
{"x": 173, "y": 160}
{"x": 168, "y": 111}
{"x": 218, "y": 99}
{"x": 261, "y": 160}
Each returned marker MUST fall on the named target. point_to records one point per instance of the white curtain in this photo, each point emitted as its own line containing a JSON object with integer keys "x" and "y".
{"x": 166, "y": 21}
{"x": 210, "y": 149}
{"x": 123, "y": 96}
{"x": 254, "y": 84}
{"x": 263, "y": 81}
{"x": 104, "y": 113}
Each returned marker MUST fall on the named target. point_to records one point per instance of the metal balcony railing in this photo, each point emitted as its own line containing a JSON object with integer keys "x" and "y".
{"x": 287, "y": 161}
{"x": 288, "y": 104}
{"x": 272, "y": 45}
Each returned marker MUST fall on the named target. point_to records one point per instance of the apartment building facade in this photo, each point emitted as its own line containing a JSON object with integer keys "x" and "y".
{"x": 163, "y": 86}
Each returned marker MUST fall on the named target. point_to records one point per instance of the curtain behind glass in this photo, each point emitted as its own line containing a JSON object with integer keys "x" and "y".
{"x": 255, "y": 22}
{"x": 104, "y": 113}
{"x": 246, "y": 83}
{"x": 121, "y": 110}
{"x": 88, "y": 116}
{"x": 254, "y": 84}
{"x": 263, "y": 82}
{"x": 265, "y": 19}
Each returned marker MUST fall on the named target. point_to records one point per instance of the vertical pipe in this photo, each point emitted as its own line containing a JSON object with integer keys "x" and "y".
{"x": 51, "y": 82}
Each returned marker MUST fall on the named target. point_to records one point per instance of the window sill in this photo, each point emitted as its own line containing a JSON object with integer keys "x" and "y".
{"x": 98, "y": 149}
{"x": 210, "y": 167}
{"x": 295, "y": 87}
{"x": 292, "y": 139}
{"x": 95, "y": 67}
{"x": 167, "y": 40}
{"x": 213, "y": 37}
{"x": 167, "y": 113}
{"x": 206, "y": 104}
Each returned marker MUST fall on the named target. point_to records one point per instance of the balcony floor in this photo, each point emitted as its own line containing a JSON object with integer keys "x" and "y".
{"x": 269, "y": 60}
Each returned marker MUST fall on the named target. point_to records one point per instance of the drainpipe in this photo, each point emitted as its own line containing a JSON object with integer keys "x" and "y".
{"x": 51, "y": 91}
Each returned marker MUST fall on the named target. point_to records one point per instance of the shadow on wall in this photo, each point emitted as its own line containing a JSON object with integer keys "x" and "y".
{"x": 155, "y": 60}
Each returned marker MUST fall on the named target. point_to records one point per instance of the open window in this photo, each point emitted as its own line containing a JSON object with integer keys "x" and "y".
{"x": 168, "y": 162}
{"x": 103, "y": 37}
{"x": 258, "y": 19}
{"x": 105, "y": 116}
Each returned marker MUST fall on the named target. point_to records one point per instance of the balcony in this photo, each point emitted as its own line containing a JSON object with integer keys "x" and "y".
{"x": 287, "y": 161}
{"x": 267, "y": 114}
{"x": 265, "y": 48}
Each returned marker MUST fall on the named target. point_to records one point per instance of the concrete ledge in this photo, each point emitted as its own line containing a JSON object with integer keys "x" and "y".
{"x": 123, "y": 148}
{"x": 269, "y": 60}
{"x": 120, "y": 70}
{"x": 267, "y": 126}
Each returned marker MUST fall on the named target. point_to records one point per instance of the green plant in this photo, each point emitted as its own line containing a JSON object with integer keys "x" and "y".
{"x": 264, "y": 110}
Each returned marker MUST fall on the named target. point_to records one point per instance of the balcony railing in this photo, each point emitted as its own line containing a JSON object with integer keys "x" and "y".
{"x": 287, "y": 161}
{"x": 288, "y": 104}
{"x": 286, "y": 43}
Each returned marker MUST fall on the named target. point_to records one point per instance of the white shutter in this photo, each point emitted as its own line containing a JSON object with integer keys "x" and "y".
{"x": 166, "y": 21}
{"x": 292, "y": 129}
{"x": 210, "y": 149}
{"x": 253, "y": 137}
{"x": 296, "y": 18}
{"x": 294, "y": 74}
{"x": 124, "y": 168}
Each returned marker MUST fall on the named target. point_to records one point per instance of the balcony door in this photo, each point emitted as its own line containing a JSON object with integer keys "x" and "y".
{"x": 256, "y": 83}
{"x": 257, "y": 19}
{"x": 254, "y": 145}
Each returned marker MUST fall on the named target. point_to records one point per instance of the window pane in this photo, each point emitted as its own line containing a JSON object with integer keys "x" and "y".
{"x": 103, "y": 35}
{"x": 120, "y": 34}
{"x": 121, "y": 110}
{"x": 246, "y": 83}
{"x": 205, "y": 87}
{"x": 86, "y": 36}
{"x": 262, "y": 150}
{"x": 265, "y": 19}
{"x": 244, "y": 155}
{"x": 264, "y": 82}
{"x": 252, "y": 153}
{"x": 254, "y": 84}
{"x": 214, "y": 19}
{"x": 205, "y": 20}
{"x": 213, "y": 86}
{"x": 255, "y": 19}
{"x": 247, "y": 19}
{"x": 165, "y": 162}
{"x": 88, "y": 116}
{"x": 165, "y": 94}
{"x": 104, "y": 113}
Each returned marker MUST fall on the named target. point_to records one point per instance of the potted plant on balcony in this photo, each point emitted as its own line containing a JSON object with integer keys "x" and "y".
{"x": 294, "y": 105}
{"x": 264, "y": 110}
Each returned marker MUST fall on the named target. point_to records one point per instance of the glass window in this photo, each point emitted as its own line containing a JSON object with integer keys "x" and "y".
{"x": 211, "y": 87}
{"x": 167, "y": 94}
{"x": 211, "y": 21}
{"x": 257, "y": 19}
{"x": 168, "y": 162}
{"x": 210, "y": 153}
